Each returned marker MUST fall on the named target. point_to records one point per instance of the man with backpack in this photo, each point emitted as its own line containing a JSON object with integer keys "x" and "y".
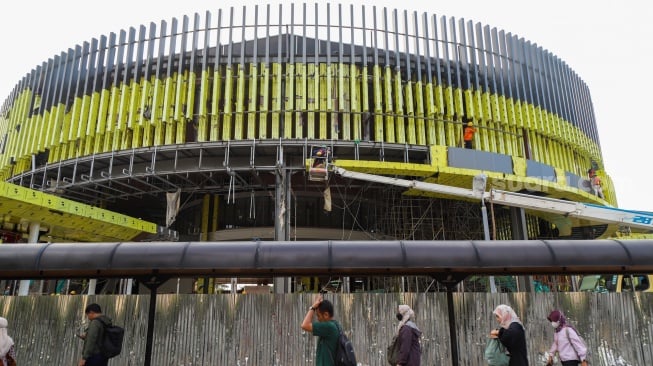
{"x": 333, "y": 347}
{"x": 92, "y": 352}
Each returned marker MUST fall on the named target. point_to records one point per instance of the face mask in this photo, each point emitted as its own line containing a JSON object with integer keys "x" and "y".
{"x": 555, "y": 324}
{"x": 399, "y": 316}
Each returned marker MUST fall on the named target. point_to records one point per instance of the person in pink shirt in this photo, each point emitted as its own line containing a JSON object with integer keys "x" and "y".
{"x": 571, "y": 349}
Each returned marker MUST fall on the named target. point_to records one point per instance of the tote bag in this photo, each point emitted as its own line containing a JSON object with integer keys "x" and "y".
{"x": 495, "y": 353}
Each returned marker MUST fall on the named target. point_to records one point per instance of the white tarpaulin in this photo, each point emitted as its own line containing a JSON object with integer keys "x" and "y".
{"x": 173, "y": 206}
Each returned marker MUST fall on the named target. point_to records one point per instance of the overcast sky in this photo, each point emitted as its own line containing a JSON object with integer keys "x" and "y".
{"x": 607, "y": 43}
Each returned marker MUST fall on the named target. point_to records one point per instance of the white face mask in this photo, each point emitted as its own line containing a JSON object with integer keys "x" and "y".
{"x": 555, "y": 324}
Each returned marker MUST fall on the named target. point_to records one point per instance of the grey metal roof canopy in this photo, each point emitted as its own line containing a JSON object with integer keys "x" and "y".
{"x": 259, "y": 258}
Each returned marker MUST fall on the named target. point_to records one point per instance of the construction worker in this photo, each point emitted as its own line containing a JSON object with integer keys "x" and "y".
{"x": 468, "y": 135}
{"x": 321, "y": 156}
{"x": 595, "y": 182}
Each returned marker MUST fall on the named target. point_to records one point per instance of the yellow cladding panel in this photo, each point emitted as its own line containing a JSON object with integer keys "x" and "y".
{"x": 112, "y": 112}
{"x": 519, "y": 166}
{"x": 389, "y": 168}
{"x": 323, "y": 95}
{"x": 51, "y": 210}
{"x": 169, "y": 94}
{"x": 203, "y": 128}
{"x": 180, "y": 96}
{"x": 228, "y": 104}
{"x": 561, "y": 178}
{"x": 361, "y": 81}
{"x": 389, "y": 107}
{"x": 145, "y": 103}
{"x": 301, "y": 94}
{"x": 55, "y": 203}
{"x": 34, "y": 197}
{"x": 93, "y": 111}
{"x": 400, "y": 132}
{"x": 214, "y": 134}
{"x": 448, "y": 102}
{"x": 123, "y": 107}
{"x": 78, "y": 209}
{"x": 190, "y": 96}
{"x": 277, "y": 80}
{"x": 240, "y": 104}
{"x": 253, "y": 96}
{"x": 468, "y": 98}
{"x": 72, "y": 125}
{"x": 378, "y": 104}
{"x": 83, "y": 116}
{"x": 289, "y": 100}
{"x": 103, "y": 111}
{"x": 438, "y": 156}
{"x": 263, "y": 106}
{"x": 14, "y": 192}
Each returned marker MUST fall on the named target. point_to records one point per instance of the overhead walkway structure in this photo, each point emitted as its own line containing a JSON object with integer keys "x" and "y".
{"x": 67, "y": 220}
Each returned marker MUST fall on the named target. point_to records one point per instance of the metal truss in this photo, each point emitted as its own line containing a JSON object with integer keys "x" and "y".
{"x": 201, "y": 167}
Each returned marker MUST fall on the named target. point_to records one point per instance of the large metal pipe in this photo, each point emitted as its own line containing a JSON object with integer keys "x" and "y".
{"x": 274, "y": 258}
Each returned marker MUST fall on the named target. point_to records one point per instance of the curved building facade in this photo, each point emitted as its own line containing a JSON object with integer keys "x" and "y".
{"x": 225, "y": 108}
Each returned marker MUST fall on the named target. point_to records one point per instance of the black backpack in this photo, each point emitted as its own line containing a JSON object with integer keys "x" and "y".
{"x": 111, "y": 343}
{"x": 344, "y": 355}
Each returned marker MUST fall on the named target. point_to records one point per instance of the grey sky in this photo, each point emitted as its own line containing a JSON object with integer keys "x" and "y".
{"x": 607, "y": 43}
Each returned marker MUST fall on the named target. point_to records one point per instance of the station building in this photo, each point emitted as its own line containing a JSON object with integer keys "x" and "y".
{"x": 208, "y": 125}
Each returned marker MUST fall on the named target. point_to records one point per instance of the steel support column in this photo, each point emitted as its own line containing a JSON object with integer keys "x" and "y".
{"x": 520, "y": 232}
{"x": 281, "y": 222}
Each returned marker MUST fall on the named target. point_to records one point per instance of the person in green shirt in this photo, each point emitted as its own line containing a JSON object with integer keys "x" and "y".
{"x": 325, "y": 328}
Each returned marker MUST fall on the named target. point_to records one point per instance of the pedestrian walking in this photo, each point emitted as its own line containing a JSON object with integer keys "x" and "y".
{"x": 569, "y": 346}
{"x": 7, "y": 350}
{"x": 511, "y": 334}
{"x": 408, "y": 336}
{"x": 92, "y": 351}
{"x": 325, "y": 328}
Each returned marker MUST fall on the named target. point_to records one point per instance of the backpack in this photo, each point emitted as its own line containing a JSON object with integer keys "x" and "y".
{"x": 392, "y": 352}
{"x": 111, "y": 343}
{"x": 344, "y": 355}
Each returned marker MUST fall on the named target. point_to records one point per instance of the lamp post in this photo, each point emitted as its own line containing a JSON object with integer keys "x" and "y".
{"x": 478, "y": 186}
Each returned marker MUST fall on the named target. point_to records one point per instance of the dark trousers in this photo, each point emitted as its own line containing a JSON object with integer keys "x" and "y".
{"x": 97, "y": 360}
{"x": 570, "y": 363}
{"x": 468, "y": 145}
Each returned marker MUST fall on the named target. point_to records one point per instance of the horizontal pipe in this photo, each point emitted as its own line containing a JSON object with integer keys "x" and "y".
{"x": 274, "y": 258}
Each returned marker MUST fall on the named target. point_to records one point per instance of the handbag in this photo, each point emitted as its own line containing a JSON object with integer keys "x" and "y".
{"x": 10, "y": 360}
{"x": 392, "y": 353}
{"x": 495, "y": 353}
{"x": 584, "y": 362}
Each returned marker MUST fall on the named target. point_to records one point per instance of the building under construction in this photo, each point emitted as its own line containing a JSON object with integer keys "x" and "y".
{"x": 227, "y": 125}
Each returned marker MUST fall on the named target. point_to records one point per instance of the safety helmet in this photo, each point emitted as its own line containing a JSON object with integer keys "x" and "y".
{"x": 470, "y": 124}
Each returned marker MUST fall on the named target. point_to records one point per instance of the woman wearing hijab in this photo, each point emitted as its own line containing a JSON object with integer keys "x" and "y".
{"x": 511, "y": 334}
{"x": 571, "y": 349}
{"x": 7, "y": 354}
{"x": 408, "y": 335}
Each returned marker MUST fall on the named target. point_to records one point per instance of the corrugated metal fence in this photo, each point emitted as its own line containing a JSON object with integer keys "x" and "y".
{"x": 265, "y": 329}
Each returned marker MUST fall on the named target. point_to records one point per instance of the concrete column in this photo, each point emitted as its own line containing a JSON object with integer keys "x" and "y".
{"x": 34, "y": 231}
